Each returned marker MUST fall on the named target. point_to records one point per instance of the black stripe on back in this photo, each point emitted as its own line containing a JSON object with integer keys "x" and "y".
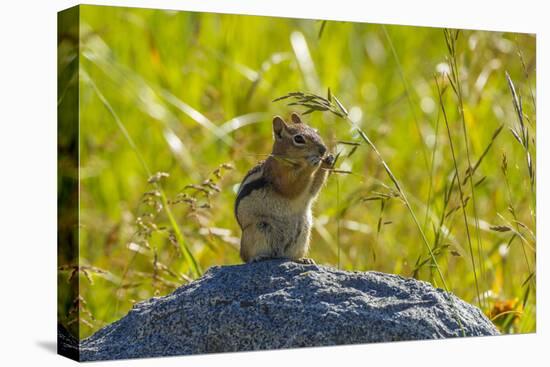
{"x": 253, "y": 170}
{"x": 247, "y": 189}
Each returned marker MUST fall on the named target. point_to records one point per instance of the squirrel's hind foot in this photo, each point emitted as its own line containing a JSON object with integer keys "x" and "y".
{"x": 260, "y": 258}
{"x": 305, "y": 261}
{"x": 302, "y": 260}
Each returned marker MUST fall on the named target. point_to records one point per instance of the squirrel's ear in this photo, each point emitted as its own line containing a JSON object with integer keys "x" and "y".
{"x": 295, "y": 118}
{"x": 278, "y": 126}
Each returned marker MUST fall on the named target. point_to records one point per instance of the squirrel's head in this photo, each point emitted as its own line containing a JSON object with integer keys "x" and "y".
{"x": 297, "y": 140}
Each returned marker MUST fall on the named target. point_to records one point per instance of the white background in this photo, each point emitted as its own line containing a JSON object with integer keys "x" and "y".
{"x": 28, "y": 181}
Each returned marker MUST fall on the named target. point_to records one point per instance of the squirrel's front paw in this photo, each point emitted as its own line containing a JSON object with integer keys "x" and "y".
{"x": 313, "y": 160}
{"x": 328, "y": 161}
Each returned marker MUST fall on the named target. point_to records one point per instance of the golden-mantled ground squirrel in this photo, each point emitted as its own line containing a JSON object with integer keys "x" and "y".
{"x": 273, "y": 205}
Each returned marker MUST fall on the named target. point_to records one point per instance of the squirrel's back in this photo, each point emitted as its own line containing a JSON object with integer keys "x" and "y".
{"x": 253, "y": 180}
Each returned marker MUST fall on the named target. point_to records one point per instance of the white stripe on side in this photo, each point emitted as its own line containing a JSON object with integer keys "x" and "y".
{"x": 250, "y": 178}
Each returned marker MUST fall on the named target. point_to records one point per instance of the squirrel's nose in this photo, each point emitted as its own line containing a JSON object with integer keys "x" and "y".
{"x": 322, "y": 150}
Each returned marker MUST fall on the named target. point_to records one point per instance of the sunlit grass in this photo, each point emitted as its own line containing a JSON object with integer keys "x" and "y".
{"x": 421, "y": 187}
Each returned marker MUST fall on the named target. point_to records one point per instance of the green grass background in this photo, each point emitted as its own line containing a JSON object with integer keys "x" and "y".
{"x": 164, "y": 91}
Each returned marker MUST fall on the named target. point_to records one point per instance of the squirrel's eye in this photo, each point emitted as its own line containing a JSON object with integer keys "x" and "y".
{"x": 299, "y": 139}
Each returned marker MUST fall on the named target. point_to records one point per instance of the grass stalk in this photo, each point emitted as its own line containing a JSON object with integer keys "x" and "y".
{"x": 451, "y": 40}
{"x": 513, "y": 212}
{"x": 526, "y": 76}
{"x": 338, "y": 222}
{"x": 194, "y": 266}
{"x": 403, "y": 197}
{"x": 461, "y": 193}
{"x": 432, "y": 170}
{"x": 409, "y": 96}
{"x": 522, "y": 136}
{"x": 331, "y": 104}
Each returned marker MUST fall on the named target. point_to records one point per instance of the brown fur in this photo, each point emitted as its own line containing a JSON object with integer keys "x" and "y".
{"x": 273, "y": 207}
{"x": 288, "y": 180}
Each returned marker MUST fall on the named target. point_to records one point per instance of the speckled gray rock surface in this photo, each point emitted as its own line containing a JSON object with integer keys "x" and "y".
{"x": 278, "y": 304}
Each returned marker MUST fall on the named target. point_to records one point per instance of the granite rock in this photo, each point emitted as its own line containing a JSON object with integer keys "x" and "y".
{"x": 280, "y": 304}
